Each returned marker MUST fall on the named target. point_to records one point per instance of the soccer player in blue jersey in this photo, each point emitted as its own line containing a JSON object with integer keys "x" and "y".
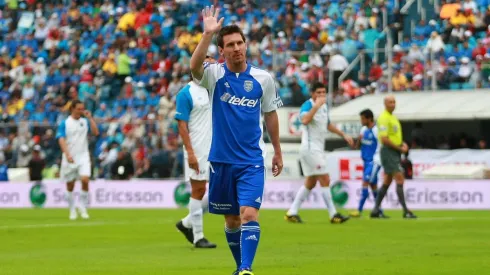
{"x": 241, "y": 95}
{"x": 368, "y": 142}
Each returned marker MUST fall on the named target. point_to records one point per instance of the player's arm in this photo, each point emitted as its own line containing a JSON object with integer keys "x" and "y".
{"x": 270, "y": 103}
{"x": 358, "y": 143}
{"x": 308, "y": 110}
{"x": 332, "y": 128}
{"x": 383, "y": 125}
{"x": 92, "y": 124}
{"x": 182, "y": 113}
{"x": 61, "y": 137}
{"x": 272, "y": 124}
{"x": 211, "y": 26}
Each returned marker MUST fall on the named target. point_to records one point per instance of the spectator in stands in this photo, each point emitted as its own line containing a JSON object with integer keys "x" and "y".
{"x": 465, "y": 70}
{"x": 482, "y": 144}
{"x": 36, "y": 165}
{"x": 337, "y": 64}
{"x": 375, "y": 72}
{"x": 399, "y": 81}
{"x": 123, "y": 167}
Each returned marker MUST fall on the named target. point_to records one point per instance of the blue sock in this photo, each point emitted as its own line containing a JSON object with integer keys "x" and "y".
{"x": 250, "y": 241}
{"x": 364, "y": 196}
{"x": 233, "y": 239}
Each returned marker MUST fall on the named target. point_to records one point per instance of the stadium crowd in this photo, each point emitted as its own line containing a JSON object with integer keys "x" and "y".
{"x": 126, "y": 60}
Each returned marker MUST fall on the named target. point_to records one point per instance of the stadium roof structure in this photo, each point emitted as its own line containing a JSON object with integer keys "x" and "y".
{"x": 417, "y": 106}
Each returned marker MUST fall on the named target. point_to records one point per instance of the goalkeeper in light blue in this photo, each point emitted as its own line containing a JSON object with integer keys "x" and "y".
{"x": 241, "y": 95}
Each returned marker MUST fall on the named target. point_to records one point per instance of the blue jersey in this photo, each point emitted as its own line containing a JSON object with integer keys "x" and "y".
{"x": 237, "y": 102}
{"x": 369, "y": 143}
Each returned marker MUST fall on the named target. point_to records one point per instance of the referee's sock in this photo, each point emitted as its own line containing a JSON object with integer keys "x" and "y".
{"x": 401, "y": 197}
{"x": 381, "y": 195}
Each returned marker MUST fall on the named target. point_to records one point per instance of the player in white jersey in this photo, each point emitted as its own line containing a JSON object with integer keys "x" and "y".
{"x": 72, "y": 136}
{"x": 316, "y": 122}
{"x": 193, "y": 113}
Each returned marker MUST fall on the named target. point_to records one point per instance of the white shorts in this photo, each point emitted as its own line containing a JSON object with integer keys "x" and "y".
{"x": 313, "y": 163}
{"x": 203, "y": 169}
{"x": 73, "y": 171}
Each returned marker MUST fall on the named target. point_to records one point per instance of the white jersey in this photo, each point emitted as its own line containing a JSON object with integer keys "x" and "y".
{"x": 314, "y": 133}
{"x": 75, "y": 132}
{"x": 193, "y": 106}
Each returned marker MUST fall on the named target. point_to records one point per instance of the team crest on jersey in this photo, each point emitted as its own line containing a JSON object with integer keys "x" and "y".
{"x": 248, "y": 85}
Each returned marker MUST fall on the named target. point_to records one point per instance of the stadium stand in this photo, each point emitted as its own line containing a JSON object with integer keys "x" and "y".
{"x": 127, "y": 60}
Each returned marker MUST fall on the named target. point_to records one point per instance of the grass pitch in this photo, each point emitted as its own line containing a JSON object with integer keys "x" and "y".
{"x": 45, "y": 242}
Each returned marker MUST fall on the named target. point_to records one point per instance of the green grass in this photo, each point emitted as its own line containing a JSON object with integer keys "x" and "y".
{"x": 42, "y": 241}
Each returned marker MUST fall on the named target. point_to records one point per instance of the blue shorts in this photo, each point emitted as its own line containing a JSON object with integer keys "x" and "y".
{"x": 234, "y": 185}
{"x": 370, "y": 173}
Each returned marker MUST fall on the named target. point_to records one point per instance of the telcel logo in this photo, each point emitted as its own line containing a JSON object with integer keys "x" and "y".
{"x": 226, "y": 97}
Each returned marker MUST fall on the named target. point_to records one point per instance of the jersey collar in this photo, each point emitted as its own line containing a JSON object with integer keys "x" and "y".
{"x": 247, "y": 71}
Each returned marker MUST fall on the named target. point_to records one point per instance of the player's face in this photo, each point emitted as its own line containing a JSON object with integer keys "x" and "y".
{"x": 320, "y": 92}
{"x": 78, "y": 110}
{"x": 234, "y": 48}
{"x": 364, "y": 121}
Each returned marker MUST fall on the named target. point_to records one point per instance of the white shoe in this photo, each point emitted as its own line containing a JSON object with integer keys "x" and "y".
{"x": 83, "y": 213}
{"x": 73, "y": 214}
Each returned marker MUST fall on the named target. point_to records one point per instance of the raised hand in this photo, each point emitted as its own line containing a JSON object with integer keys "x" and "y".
{"x": 320, "y": 100}
{"x": 210, "y": 20}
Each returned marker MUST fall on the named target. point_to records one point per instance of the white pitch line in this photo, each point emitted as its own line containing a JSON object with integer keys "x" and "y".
{"x": 78, "y": 224}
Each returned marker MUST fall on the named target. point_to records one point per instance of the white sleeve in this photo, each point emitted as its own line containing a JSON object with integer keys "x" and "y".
{"x": 363, "y": 130}
{"x": 270, "y": 97}
{"x": 375, "y": 132}
{"x": 209, "y": 77}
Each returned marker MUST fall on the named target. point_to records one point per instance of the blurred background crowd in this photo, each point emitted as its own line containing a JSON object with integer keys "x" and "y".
{"x": 126, "y": 60}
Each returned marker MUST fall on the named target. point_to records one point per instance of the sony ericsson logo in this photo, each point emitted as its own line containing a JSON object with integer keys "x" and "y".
{"x": 233, "y": 100}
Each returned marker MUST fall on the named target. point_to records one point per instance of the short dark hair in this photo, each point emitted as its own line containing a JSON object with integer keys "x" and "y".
{"x": 316, "y": 85}
{"x": 227, "y": 31}
{"x": 367, "y": 113}
{"x": 74, "y": 103}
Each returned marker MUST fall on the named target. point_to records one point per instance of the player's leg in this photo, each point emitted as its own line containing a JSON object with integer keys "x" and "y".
{"x": 373, "y": 180}
{"x": 388, "y": 161}
{"x": 362, "y": 200}
{"x": 303, "y": 193}
{"x": 376, "y": 213}
{"x": 71, "y": 202}
{"x": 233, "y": 232}
{"x": 85, "y": 173}
{"x": 366, "y": 176}
{"x": 335, "y": 217}
{"x": 223, "y": 201}
{"x": 192, "y": 225}
{"x": 250, "y": 189}
{"x": 196, "y": 213}
{"x": 400, "y": 180}
{"x": 84, "y": 197}
{"x": 69, "y": 174}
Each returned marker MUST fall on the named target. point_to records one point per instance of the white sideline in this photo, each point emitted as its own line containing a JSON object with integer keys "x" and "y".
{"x": 101, "y": 223}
